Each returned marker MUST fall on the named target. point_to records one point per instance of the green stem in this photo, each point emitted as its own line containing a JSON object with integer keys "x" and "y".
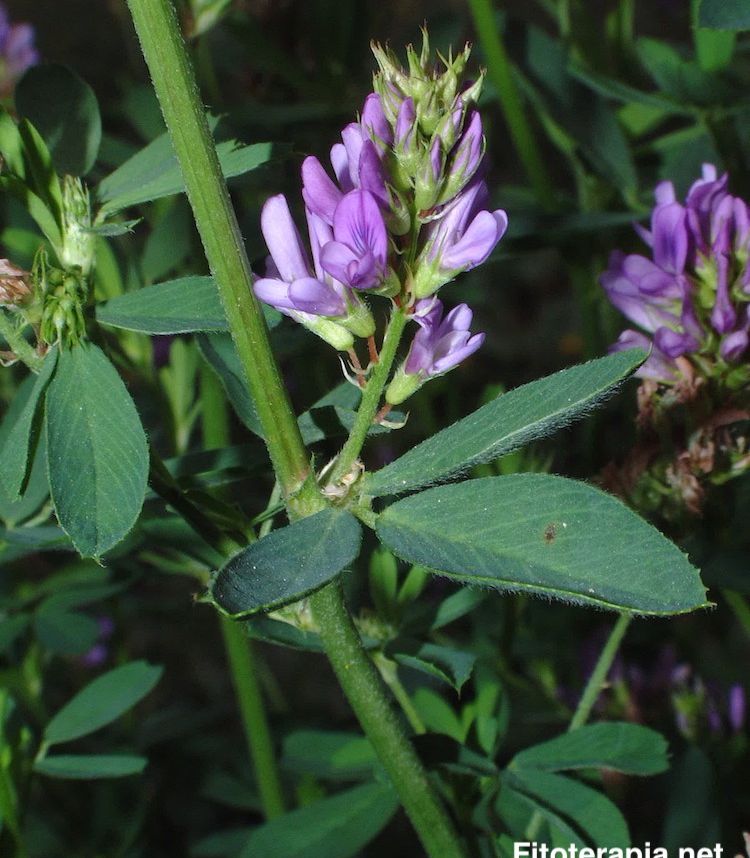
{"x": 589, "y": 697}
{"x": 174, "y": 82}
{"x": 599, "y": 675}
{"x": 362, "y": 684}
{"x": 388, "y": 669}
{"x": 371, "y": 396}
{"x": 239, "y": 648}
{"x": 500, "y": 73}
{"x": 23, "y": 350}
{"x": 739, "y": 607}
{"x": 254, "y": 720}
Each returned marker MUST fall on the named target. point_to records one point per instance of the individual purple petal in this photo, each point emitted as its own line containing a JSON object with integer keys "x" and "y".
{"x": 353, "y": 140}
{"x": 375, "y": 124}
{"x": 273, "y": 292}
{"x": 372, "y": 175}
{"x": 664, "y": 193}
{"x": 457, "y": 351}
{"x": 340, "y": 164}
{"x": 723, "y": 314}
{"x": 674, "y": 343}
{"x": 320, "y": 233}
{"x": 477, "y": 243}
{"x": 670, "y": 239}
{"x": 405, "y": 124}
{"x": 733, "y": 346}
{"x": 319, "y": 192}
{"x": 310, "y": 295}
{"x": 359, "y": 223}
{"x": 283, "y": 239}
{"x": 467, "y": 154}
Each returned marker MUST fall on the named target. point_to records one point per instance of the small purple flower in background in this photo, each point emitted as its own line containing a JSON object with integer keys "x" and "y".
{"x": 17, "y": 52}
{"x": 99, "y": 653}
{"x": 692, "y": 297}
{"x": 440, "y": 345}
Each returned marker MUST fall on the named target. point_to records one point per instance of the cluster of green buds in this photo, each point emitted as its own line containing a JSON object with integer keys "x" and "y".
{"x": 438, "y": 141}
{"x": 63, "y": 295}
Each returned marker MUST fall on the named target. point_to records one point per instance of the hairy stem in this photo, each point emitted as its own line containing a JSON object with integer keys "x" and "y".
{"x": 362, "y": 684}
{"x": 500, "y": 73}
{"x": 371, "y": 396}
{"x": 23, "y": 350}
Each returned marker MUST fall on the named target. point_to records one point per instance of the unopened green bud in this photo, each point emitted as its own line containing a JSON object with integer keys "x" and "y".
{"x": 402, "y": 386}
{"x": 79, "y": 243}
{"x": 334, "y": 333}
{"x": 360, "y": 321}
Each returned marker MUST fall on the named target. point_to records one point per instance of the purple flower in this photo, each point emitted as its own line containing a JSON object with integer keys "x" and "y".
{"x": 358, "y": 254}
{"x": 441, "y": 344}
{"x": 465, "y": 158}
{"x": 292, "y": 286}
{"x": 17, "y": 51}
{"x": 687, "y": 295}
{"x": 462, "y": 237}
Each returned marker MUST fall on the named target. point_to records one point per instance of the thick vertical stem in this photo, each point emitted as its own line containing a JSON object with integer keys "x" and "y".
{"x": 362, "y": 684}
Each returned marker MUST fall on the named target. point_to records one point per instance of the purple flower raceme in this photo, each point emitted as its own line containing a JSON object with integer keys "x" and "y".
{"x": 442, "y": 342}
{"x": 691, "y": 298}
{"x": 17, "y": 51}
{"x": 403, "y": 212}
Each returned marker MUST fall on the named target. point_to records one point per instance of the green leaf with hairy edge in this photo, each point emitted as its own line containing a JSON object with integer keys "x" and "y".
{"x": 90, "y": 766}
{"x": 96, "y": 451}
{"x": 36, "y": 207}
{"x": 329, "y": 755}
{"x": 175, "y": 307}
{"x": 334, "y": 827}
{"x": 154, "y": 173}
{"x": 65, "y": 111}
{"x": 452, "y": 666}
{"x": 102, "y": 701}
{"x": 629, "y": 748}
{"x": 18, "y": 439}
{"x": 724, "y": 14}
{"x": 287, "y": 564}
{"x": 590, "y": 812}
{"x": 513, "y": 419}
{"x": 543, "y": 534}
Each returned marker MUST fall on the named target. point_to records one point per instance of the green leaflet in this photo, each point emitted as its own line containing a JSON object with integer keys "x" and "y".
{"x": 90, "y": 766}
{"x": 19, "y": 428}
{"x": 543, "y": 534}
{"x": 102, "y": 701}
{"x": 507, "y": 423}
{"x": 174, "y": 307}
{"x": 287, "y": 564}
{"x": 566, "y": 800}
{"x": 96, "y": 451}
{"x": 624, "y": 747}
{"x": 64, "y": 110}
{"x": 153, "y": 172}
{"x": 335, "y": 827}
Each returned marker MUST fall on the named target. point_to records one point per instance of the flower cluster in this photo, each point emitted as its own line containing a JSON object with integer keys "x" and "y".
{"x": 692, "y": 295}
{"x": 17, "y": 51}
{"x": 404, "y": 211}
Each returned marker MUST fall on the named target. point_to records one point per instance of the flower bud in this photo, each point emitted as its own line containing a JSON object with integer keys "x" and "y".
{"x": 79, "y": 242}
{"x": 429, "y": 176}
